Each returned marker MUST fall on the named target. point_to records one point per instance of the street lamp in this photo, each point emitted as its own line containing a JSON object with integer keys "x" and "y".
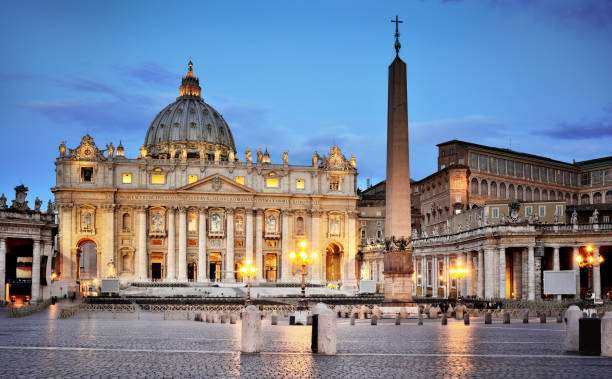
{"x": 458, "y": 272}
{"x": 249, "y": 271}
{"x": 302, "y": 258}
{"x": 587, "y": 260}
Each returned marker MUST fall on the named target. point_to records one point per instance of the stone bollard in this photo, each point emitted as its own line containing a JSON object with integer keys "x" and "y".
{"x": 433, "y": 312}
{"x": 466, "y": 318}
{"x": 420, "y": 319}
{"x": 459, "y": 312}
{"x": 506, "y": 317}
{"x": 251, "y": 330}
{"x": 233, "y": 318}
{"x": 352, "y": 319}
{"x": 398, "y": 320}
{"x": 488, "y": 318}
{"x": 309, "y": 320}
{"x": 363, "y": 312}
{"x": 526, "y": 317}
{"x": 444, "y": 319}
{"x": 326, "y": 329}
{"x": 572, "y": 315}
{"x": 543, "y": 318}
{"x": 208, "y": 317}
{"x": 223, "y": 318}
{"x": 606, "y": 335}
{"x": 274, "y": 318}
{"x": 374, "y": 320}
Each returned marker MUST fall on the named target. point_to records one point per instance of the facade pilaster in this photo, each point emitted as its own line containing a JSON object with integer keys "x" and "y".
{"x": 182, "y": 242}
{"x": 202, "y": 261}
{"x": 141, "y": 249}
{"x": 596, "y": 274}
{"x": 259, "y": 259}
{"x": 108, "y": 250}
{"x": 447, "y": 278}
{"x": 524, "y": 275}
{"x": 531, "y": 272}
{"x": 35, "y": 296}
{"x": 285, "y": 246}
{"x": 229, "y": 249}
{"x": 576, "y": 268}
{"x": 352, "y": 248}
{"x": 3, "y": 270}
{"x": 423, "y": 276}
{"x": 480, "y": 273}
{"x": 65, "y": 238}
{"x": 171, "y": 256}
{"x": 314, "y": 242}
{"x": 249, "y": 235}
{"x": 502, "y": 272}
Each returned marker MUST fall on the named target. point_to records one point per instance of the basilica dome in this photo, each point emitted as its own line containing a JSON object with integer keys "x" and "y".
{"x": 189, "y": 128}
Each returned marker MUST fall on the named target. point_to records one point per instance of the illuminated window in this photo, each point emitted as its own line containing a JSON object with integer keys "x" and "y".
{"x": 299, "y": 184}
{"x": 192, "y": 224}
{"x": 272, "y": 182}
{"x": 127, "y": 178}
{"x": 334, "y": 183}
{"x": 87, "y": 174}
{"x": 192, "y": 178}
{"x": 158, "y": 179}
{"x": 240, "y": 180}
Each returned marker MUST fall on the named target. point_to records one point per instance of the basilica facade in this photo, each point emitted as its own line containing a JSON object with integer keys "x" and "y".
{"x": 188, "y": 209}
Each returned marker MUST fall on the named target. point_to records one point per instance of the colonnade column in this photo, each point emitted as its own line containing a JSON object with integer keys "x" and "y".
{"x": 576, "y": 267}
{"x": 531, "y": 272}
{"x": 447, "y": 278}
{"x": 480, "y": 273}
{"x": 171, "y": 256}
{"x": 65, "y": 242}
{"x": 423, "y": 276}
{"x": 524, "y": 275}
{"x": 108, "y": 251}
{"x": 285, "y": 247}
{"x": 141, "y": 248}
{"x": 470, "y": 276}
{"x": 202, "y": 261}
{"x": 229, "y": 248}
{"x": 556, "y": 264}
{"x": 35, "y": 297}
{"x": 249, "y": 235}
{"x": 502, "y": 272}
{"x": 596, "y": 274}
{"x": 489, "y": 273}
{"x": 182, "y": 258}
{"x": 314, "y": 242}
{"x": 2, "y": 270}
{"x": 48, "y": 251}
{"x": 259, "y": 260}
{"x": 414, "y": 268}
{"x": 436, "y": 281}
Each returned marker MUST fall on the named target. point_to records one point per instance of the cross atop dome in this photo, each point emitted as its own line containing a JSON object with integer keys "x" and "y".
{"x": 190, "y": 85}
{"x": 398, "y": 45}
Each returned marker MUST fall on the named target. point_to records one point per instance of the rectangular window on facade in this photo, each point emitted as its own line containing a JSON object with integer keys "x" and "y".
{"x": 528, "y": 210}
{"x": 536, "y": 173}
{"x": 272, "y": 182}
{"x": 495, "y": 212}
{"x": 527, "y": 171}
{"x": 192, "y": 179}
{"x": 559, "y": 210}
{"x": 158, "y": 178}
{"x": 606, "y": 219}
{"x": 484, "y": 163}
{"x": 239, "y": 180}
{"x": 299, "y": 184}
{"x": 493, "y": 165}
{"x": 87, "y": 174}
{"x": 518, "y": 169}
{"x": 596, "y": 177}
{"x": 510, "y": 166}
{"x": 501, "y": 166}
{"x": 586, "y": 178}
{"x": 126, "y": 178}
{"x": 334, "y": 182}
{"x": 473, "y": 163}
{"x": 542, "y": 211}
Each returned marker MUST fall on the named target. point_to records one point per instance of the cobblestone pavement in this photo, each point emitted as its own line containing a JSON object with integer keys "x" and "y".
{"x": 44, "y": 346}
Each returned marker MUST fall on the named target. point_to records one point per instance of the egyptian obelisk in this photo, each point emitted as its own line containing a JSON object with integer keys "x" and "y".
{"x": 398, "y": 257}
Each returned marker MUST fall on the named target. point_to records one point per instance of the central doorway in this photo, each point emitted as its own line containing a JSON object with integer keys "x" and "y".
{"x": 215, "y": 266}
{"x": 157, "y": 266}
{"x": 271, "y": 267}
{"x": 333, "y": 262}
{"x": 191, "y": 271}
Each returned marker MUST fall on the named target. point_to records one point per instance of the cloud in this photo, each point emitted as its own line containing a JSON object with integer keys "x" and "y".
{"x": 150, "y": 73}
{"x": 579, "y": 131}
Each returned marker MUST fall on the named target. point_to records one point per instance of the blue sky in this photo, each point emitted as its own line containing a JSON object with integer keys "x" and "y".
{"x": 533, "y": 75}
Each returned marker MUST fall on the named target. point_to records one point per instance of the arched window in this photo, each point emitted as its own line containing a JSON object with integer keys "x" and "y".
{"x": 552, "y": 195}
{"x": 567, "y": 198}
{"x": 126, "y": 222}
{"x": 511, "y": 192}
{"x": 484, "y": 188}
{"x": 544, "y": 195}
{"x": 585, "y": 199}
{"x": 519, "y": 193}
{"x": 536, "y": 195}
{"x": 575, "y": 199}
{"x": 559, "y": 195}
{"x": 608, "y": 197}
{"x": 528, "y": 194}
{"x": 502, "y": 190}
{"x": 475, "y": 186}
{"x": 493, "y": 189}
{"x": 597, "y": 198}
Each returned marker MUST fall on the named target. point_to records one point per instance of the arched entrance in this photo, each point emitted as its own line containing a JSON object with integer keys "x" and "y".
{"x": 333, "y": 262}
{"x": 87, "y": 256}
{"x": 215, "y": 266}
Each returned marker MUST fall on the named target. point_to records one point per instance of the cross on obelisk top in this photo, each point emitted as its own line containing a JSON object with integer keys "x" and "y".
{"x": 398, "y": 45}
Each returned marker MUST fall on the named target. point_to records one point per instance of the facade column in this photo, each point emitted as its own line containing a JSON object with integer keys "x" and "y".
{"x": 470, "y": 276}
{"x": 249, "y": 235}
{"x": 314, "y": 243}
{"x": 108, "y": 251}
{"x": 415, "y": 274}
{"x": 35, "y": 296}
{"x": 285, "y": 246}
{"x": 171, "y": 256}
{"x": 531, "y": 272}
{"x": 489, "y": 273}
{"x": 524, "y": 275}
{"x": 502, "y": 272}
{"x": 141, "y": 249}
{"x": 259, "y": 259}
{"x": 423, "y": 276}
{"x": 480, "y": 273}
{"x": 3, "y": 270}
{"x": 447, "y": 278}
{"x": 65, "y": 243}
{"x": 48, "y": 251}
{"x": 182, "y": 242}
{"x": 229, "y": 248}
{"x": 576, "y": 268}
{"x": 556, "y": 264}
{"x": 596, "y": 274}
{"x": 202, "y": 257}
{"x": 436, "y": 281}
{"x": 352, "y": 249}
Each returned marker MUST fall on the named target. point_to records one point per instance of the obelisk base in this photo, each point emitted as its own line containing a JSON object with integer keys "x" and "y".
{"x": 398, "y": 285}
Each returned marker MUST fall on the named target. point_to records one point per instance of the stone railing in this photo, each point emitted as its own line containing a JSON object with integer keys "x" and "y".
{"x": 27, "y": 310}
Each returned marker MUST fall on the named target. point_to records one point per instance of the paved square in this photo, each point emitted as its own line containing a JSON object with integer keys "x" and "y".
{"x": 44, "y": 346}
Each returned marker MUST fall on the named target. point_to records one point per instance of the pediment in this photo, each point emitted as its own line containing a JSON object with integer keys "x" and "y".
{"x": 216, "y": 183}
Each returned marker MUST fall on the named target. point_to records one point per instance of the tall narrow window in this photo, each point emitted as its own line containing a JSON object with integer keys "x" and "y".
{"x": 299, "y": 184}
{"x": 334, "y": 182}
{"x": 87, "y": 174}
{"x": 192, "y": 179}
{"x": 127, "y": 178}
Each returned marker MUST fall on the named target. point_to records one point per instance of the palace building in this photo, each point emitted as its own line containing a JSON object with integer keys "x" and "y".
{"x": 188, "y": 209}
